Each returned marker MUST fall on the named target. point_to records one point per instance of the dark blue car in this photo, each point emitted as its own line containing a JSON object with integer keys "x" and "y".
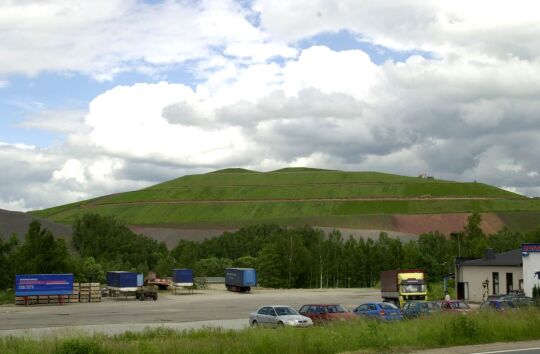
{"x": 497, "y": 304}
{"x": 379, "y": 310}
{"x": 419, "y": 308}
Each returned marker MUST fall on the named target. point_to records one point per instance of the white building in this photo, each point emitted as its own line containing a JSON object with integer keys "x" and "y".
{"x": 531, "y": 266}
{"x": 495, "y": 274}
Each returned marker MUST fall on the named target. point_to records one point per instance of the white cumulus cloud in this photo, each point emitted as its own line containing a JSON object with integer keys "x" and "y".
{"x": 464, "y": 107}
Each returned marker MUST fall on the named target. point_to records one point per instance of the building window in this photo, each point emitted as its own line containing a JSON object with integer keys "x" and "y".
{"x": 495, "y": 283}
{"x": 509, "y": 283}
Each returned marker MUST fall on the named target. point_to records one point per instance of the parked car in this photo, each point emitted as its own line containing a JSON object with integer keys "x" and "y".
{"x": 326, "y": 312}
{"x": 380, "y": 310}
{"x": 455, "y": 305}
{"x": 278, "y": 316}
{"x": 416, "y": 308}
{"x": 497, "y": 304}
{"x": 517, "y": 299}
{"x": 522, "y": 301}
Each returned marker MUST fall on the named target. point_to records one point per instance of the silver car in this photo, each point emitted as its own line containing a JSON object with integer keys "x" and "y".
{"x": 278, "y": 316}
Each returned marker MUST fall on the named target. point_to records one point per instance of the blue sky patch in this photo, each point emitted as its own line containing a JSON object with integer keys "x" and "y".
{"x": 346, "y": 40}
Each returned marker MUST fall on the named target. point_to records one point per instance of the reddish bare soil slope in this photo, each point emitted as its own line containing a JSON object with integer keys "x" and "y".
{"x": 404, "y": 227}
{"x": 444, "y": 223}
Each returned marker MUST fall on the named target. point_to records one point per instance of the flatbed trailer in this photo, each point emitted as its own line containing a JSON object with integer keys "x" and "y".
{"x": 140, "y": 292}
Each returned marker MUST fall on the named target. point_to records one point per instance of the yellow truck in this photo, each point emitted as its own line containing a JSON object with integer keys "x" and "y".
{"x": 401, "y": 285}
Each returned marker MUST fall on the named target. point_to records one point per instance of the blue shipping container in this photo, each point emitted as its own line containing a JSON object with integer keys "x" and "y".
{"x": 43, "y": 284}
{"x": 242, "y": 277}
{"x": 183, "y": 276}
{"x": 120, "y": 279}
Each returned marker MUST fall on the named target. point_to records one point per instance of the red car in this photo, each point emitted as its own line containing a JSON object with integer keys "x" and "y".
{"x": 326, "y": 312}
{"x": 455, "y": 305}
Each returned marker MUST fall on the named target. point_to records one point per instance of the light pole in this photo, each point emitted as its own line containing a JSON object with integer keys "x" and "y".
{"x": 456, "y": 235}
{"x": 448, "y": 266}
{"x": 445, "y": 279}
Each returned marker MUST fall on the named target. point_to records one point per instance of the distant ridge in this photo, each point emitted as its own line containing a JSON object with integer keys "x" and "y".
{"x": 15, "y": 222}
{"x": 233, "y": 170}
{"x": 303, "y": 169}
{"x": 235, "y": 197}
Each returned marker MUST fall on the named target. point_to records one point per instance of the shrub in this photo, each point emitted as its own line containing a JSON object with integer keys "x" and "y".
{"x": 81, "y": 346}
{"x": 465, "y": 326}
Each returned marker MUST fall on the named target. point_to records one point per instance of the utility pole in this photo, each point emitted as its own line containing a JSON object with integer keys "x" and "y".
{"x": 320, "y": 262}
{"x": 290, "y": 260}
{"x": 456, "y": 235}
{"x": 458, "y": 246}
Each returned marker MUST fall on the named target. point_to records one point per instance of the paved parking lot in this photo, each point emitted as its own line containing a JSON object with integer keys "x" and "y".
{"x": 204, "y": 307}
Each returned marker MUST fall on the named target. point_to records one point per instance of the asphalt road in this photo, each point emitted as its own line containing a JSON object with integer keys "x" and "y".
{"x": 203, "y": 308}
{"x": 528, "y": 347}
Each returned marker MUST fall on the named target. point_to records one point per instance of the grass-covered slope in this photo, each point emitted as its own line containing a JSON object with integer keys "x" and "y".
{"x": 236, "y": 197}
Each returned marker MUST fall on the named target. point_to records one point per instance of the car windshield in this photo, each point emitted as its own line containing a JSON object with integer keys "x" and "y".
{"x": 335, "y": 309}
{"x": 413, "y": 288}
{"x": 388, "y": 306}
{"x": 285, "y": 311}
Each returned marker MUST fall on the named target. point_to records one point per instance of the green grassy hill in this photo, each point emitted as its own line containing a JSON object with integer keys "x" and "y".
{"x": 237, "y": 197}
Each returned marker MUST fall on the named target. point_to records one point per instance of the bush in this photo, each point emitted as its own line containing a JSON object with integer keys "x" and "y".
{"x": 81, "y": 346}
{"x": 7, "y": 297}
{"x": 465, "y": 326}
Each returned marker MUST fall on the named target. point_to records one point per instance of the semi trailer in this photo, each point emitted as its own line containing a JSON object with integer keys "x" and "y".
{"x": 240, "y": 279}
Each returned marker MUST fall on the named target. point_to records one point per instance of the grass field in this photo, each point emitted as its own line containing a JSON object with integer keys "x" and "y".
{"x": 373, "y": 336}
{"x": 236, "y": 197}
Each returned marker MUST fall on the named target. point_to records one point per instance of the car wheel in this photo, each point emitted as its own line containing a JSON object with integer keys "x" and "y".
{"x": 254, "y": 324}
{"x": 280, "y": 325}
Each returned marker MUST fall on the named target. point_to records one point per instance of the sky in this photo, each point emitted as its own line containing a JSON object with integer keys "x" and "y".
{"x": 105, "y": 96}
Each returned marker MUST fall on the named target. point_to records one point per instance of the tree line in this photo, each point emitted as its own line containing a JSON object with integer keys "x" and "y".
{"x": 285, "y": 257}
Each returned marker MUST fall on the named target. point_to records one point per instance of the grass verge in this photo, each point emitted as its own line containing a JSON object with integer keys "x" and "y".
{"x": 372, "y": 336}
{"x": 7, "y": 297}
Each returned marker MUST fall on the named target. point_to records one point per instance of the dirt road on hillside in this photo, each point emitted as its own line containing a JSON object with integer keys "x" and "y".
{"x": 234, "y": 201}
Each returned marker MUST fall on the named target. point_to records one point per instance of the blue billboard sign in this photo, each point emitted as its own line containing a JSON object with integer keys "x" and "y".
{"x": 43, "y": 284}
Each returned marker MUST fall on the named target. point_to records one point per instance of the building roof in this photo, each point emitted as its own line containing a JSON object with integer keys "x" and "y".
{"x": 511, "y": 258}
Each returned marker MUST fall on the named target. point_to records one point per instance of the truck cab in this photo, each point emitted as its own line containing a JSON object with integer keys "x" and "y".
{"x": 401, "y": 285}
{"x": 412, "y": 286}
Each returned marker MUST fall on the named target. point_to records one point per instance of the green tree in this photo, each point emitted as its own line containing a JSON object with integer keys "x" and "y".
{"x": 107, "y": 240}
{"x": 165, "y": 266}
{"x": 41, "y": 252}
{"x": 434, "y": 254}
{"x": 245, "y": 262}
{"x": 269, "y": 267}
{"x": 212, "y": 267}
{"x": 473, "y": 239}
{"x": 505, "y": 240}
{"x": 187, "y": 253}
{"x": 7, "y": 261}
{"x": 90, "y": 271}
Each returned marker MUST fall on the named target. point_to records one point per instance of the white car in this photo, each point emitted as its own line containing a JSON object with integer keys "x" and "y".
{"x": 278, "y": 316}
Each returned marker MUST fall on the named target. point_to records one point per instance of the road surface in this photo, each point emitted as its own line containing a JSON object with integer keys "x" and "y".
{"x": 182, "y": 311}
